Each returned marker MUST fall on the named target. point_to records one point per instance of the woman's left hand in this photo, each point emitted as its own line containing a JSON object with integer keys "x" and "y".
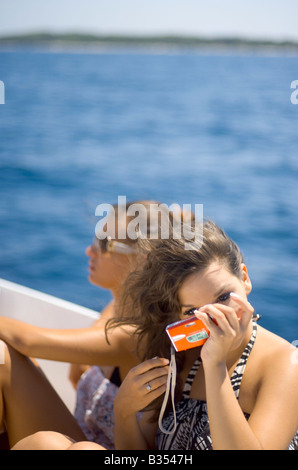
{"x": 143, "y": 384}
{"x": 228, "y": 325}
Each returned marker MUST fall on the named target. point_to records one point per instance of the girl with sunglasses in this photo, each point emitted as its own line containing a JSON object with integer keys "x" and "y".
{"x": 236, "y": 392}
{"x": 27, "y": 402}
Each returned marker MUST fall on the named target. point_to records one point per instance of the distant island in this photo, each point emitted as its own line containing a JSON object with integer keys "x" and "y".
{"x": 167, "y": 41}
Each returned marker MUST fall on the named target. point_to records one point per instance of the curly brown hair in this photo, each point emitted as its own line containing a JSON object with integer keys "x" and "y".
{"x": 150, "y": 299}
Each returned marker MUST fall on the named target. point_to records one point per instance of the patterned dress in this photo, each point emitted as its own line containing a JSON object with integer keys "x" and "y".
{"x": 94, "y": 408}
{"x": 193, "y": 432}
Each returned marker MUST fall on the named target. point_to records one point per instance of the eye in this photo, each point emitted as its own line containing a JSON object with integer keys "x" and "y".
{"x": 190, "y": 312}
{"x": 224, "y": 297}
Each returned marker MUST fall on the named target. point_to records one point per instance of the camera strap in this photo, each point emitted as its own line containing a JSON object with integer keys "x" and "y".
{"x": 171, "y": 385}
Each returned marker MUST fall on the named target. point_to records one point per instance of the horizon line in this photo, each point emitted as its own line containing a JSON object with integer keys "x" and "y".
{"x": 49, "y": 35}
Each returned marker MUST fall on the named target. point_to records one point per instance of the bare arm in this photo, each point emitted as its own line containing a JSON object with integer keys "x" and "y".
{"x": 84, "y": 345}
{"x": 274, "y": 419}
{"x": 77, "y": 370}
{"x": 228, "y": 426}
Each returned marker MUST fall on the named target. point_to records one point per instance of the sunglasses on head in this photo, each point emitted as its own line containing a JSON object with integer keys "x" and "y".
{"x": 107, "y": 245}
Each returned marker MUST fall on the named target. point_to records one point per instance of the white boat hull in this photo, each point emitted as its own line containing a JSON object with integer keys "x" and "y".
{"x": 44, "y": 310}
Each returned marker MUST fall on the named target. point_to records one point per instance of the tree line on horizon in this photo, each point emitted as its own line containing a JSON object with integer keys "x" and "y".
{"x": 134, "y": 40}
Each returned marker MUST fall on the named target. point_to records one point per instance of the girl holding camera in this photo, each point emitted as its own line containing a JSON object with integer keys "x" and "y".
{"x": 237, "y": 391}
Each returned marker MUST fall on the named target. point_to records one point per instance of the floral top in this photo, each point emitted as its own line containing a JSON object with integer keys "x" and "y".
{"x": 94, "y": 408}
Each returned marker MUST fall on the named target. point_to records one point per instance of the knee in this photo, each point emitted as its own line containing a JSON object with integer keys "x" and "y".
{"x": 3, "y": 352}
{"x": 85, "y": 445}
{"x": 44, "y": 440}
{"x": 7, "y": 358}
{"x": 4, "y": 358}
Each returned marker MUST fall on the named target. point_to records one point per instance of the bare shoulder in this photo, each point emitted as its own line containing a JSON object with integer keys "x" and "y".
{"x": 272, "y": 342}
{"x": 121, "y": 332}
{"x": 274, "y": 380}
{"x": 124, "y": 336}
{"x": 278, "y": 357}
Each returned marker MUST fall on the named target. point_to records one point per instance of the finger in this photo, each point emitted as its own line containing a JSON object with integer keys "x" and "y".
{"x": 156, "y": 383}
{"x": 247, "y": 309}
{"x": 205, "y": 319}
{"x": 244, "y": 304}
{"x": 144, "y": 367}
{"x": 218, "y": 318}
{"x": 155, "y": 376}
{"x": 154, "y": 393}
{"x": 230, "y": 314}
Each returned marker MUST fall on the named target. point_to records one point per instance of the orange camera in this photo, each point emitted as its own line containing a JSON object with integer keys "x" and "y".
{"x": 187, "y": 334}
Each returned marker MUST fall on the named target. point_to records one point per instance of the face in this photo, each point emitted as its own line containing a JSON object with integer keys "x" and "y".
{"x": 212, "y": 285}
{"x": 108, "y": 269}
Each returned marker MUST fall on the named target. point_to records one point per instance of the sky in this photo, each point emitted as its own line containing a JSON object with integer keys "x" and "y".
{"x": 257, "y": 19}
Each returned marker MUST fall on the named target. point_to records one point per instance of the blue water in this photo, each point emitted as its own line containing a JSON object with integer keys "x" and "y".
{"x": 80, "y": 129}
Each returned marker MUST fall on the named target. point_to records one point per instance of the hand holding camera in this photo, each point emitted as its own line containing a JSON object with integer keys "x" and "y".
{"x": 217, "y": 322}
{"x": 228, "y": 327}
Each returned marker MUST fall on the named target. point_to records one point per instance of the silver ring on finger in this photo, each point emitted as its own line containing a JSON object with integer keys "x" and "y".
{"x": 148, "y": 387}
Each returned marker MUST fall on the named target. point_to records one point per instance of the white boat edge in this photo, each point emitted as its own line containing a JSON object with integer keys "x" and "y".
{"x": 41, "y": 309}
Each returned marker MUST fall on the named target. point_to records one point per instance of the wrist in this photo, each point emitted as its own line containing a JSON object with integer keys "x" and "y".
{"x": 213, "y": 365}
{"x": 122, "y": 412}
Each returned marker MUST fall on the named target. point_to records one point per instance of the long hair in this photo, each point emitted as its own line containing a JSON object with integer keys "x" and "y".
{"x": 150, "y": 299}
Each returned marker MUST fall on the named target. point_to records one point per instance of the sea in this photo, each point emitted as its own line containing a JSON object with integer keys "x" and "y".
{"x": 82, "y": 127}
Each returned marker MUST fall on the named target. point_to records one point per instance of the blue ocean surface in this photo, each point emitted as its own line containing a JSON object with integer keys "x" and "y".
{"x": 81, "y": 129}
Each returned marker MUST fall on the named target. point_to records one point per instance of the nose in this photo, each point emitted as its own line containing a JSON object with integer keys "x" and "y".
{"x": 89, "y": 250}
